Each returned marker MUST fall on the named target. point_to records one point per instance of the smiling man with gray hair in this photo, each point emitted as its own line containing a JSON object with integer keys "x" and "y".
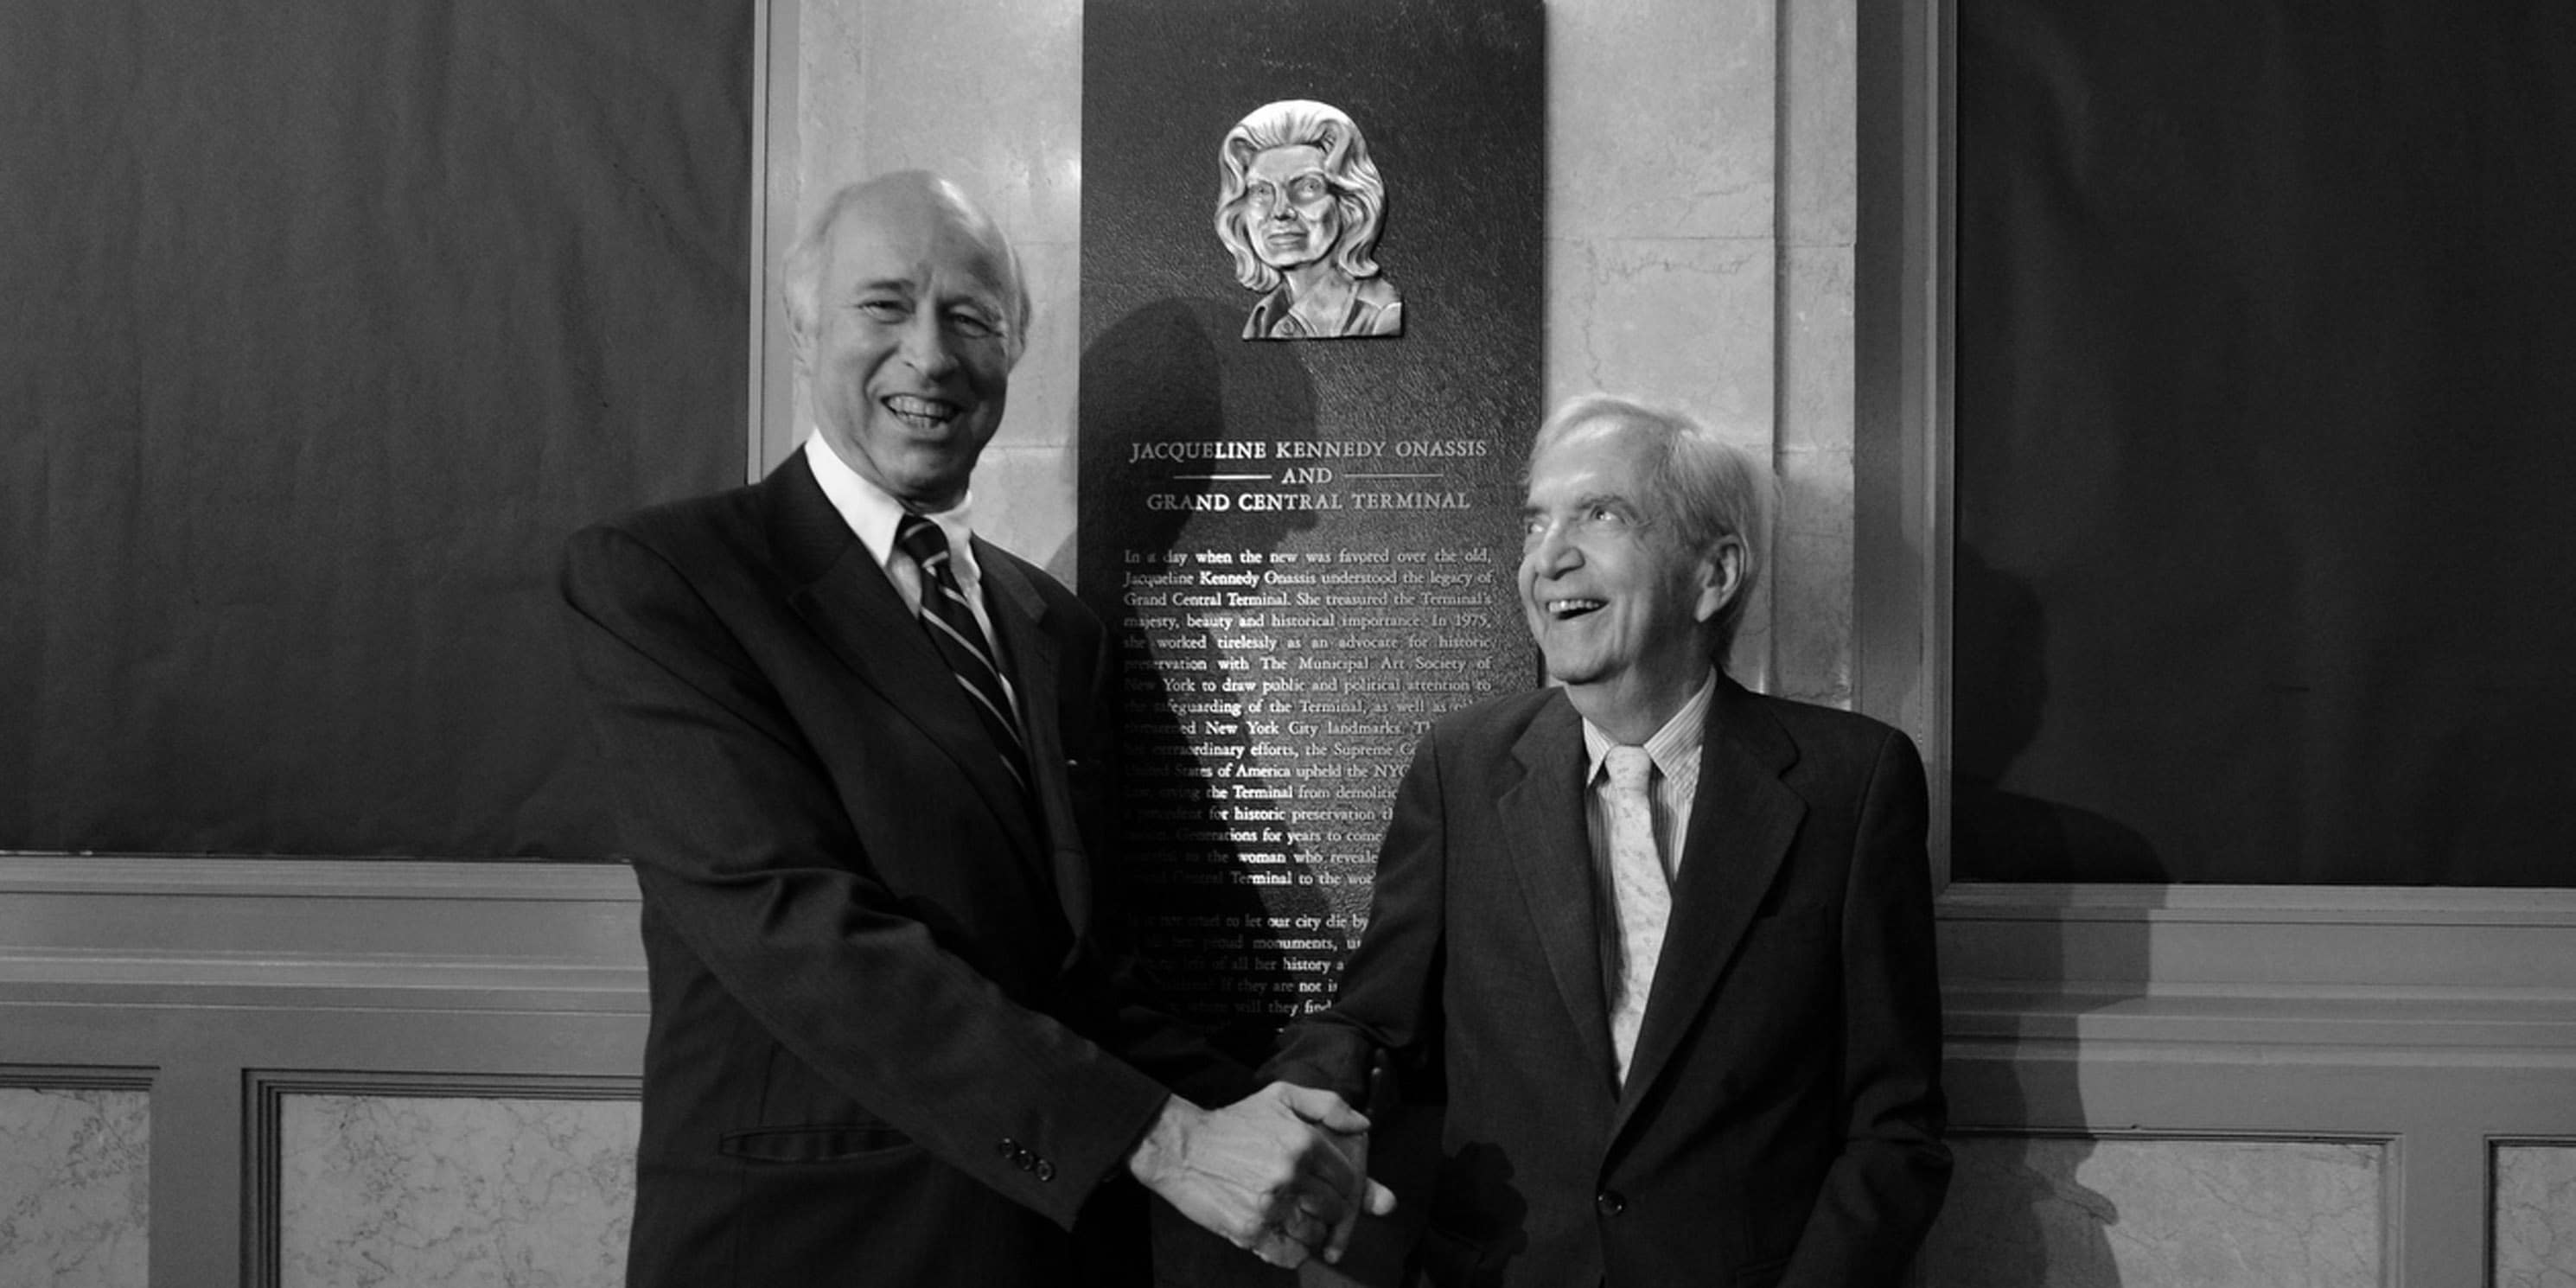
{"x": 860, "y": 757}
{"x": 1665, "y": 944}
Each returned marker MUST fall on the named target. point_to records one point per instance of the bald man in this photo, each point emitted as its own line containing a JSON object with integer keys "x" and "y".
{"x": 859, "y": 756}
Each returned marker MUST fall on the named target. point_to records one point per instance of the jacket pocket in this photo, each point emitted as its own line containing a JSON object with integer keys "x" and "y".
{"x": 821, "y": 1143}
{"x": 1446, "y": 1260}
{"x": 1760, "y": 1274}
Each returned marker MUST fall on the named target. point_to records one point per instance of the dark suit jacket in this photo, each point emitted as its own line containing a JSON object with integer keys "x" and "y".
{"x": 888, "y": 1044}
{"x": 1781, "y": 1121}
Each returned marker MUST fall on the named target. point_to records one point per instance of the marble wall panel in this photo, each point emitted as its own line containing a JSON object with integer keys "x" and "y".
{"x": 1812, "y": 542}
{"x": 74, "y": 1187}
{"x": 989, "y": 93}
{"x": 1819, "y": 128}
{"x": 1043, "y": 412}
{"x": 389, "y": 1191}
{"x": 1660, "y": 118}
{"x": 1686, "y": 321}
{"x": 1811, "y": 581}
{"x": 2535, "y": 1216}
{"x": 1024, "y": 500}
{"x": 2103, "y": 1213}
{"x": 1819, "y": 216}
{"x": 1817, "y": 394}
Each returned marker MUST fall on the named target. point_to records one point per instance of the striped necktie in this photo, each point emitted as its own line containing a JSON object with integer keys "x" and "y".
{"x": 953, "y": 629}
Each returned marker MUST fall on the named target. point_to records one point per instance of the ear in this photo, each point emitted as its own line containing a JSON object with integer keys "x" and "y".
{"x": 800, "y": 340}
{"x": 1719, "y": 576}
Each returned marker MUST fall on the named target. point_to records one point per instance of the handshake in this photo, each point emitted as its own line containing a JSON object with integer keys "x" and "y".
{"x": 1282, "y": 1173}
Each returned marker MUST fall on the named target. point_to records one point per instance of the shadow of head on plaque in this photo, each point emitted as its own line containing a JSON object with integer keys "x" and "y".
{"x": 1179, "y": 420}
{"x": 2021, "y": 1210}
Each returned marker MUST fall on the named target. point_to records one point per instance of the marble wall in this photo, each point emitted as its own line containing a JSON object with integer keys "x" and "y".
{"x": 989, "y": 93}
{"x": 2535, "y": 1216}
{"x": 396, "y": 1191}
{"x": 74, "y": 1184}
{"x": 1700, "y": 220}
{"x": 2071, "y": 1212}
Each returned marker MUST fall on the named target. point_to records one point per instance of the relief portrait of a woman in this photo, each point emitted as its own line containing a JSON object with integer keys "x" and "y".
{"x": 1299, "y": 207}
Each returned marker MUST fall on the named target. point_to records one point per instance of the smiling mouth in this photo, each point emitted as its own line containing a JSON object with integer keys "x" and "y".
{"x": 1566, "y": 610}
{"x": 920, "y": 413}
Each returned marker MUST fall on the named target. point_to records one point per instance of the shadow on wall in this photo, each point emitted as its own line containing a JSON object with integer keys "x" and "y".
{"x": 1155, "y": 376}
{"x": 2000, "y": 651}
{"x": 2019, "y": 975}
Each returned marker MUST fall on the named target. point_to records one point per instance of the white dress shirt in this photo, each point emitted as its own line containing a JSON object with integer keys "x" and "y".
{"x": 873, "y": 513}
{"x": 1675, "y": 751}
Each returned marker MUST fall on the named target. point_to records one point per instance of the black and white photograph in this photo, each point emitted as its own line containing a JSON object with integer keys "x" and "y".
{"x": 1287, "y": 644}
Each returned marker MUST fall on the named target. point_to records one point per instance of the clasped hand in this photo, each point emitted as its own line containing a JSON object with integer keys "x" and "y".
{"x": 1282, "y": 1172}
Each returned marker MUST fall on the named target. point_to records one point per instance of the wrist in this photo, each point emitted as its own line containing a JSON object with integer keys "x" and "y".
{"x": 1160, "y": 1152}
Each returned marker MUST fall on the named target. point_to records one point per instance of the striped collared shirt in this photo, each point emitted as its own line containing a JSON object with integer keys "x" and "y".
{"x": 1675, "y": 751}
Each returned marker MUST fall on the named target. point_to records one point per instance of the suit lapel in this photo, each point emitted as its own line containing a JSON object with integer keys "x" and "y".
{"x": 1032, "y": 654}
{"x": 1743, "y": 819}
{"x": 1550, "y": 848}
{"x": 850, "y": 604}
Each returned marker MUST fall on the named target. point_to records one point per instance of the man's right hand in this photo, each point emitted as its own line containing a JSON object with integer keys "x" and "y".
{"x": 1273, "y": 1173}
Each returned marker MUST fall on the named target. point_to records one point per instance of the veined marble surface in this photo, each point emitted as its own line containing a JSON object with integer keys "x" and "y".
{"x": 400, "y": 1191}
{"x": 74, "y": 1187}
{"x": 2535, "y": 1216}
{"x": 2113, "y": 1213}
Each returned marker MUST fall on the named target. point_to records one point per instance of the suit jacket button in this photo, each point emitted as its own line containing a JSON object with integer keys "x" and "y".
{"x": 1046, "y": 1171}
{"x": 1610, "y": 1202}
{"x": 1010, "y": 1149}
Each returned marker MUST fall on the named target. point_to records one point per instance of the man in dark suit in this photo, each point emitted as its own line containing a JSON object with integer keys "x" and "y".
{"x": 1664, "y": 944}
{"x": 860, "y": 757}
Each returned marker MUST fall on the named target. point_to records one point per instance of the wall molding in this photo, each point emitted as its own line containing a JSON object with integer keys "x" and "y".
{"x": 26, "y": 872}
{"x": 2367, "y": 975}
{"x": 2436, "y": 1020}
{"x": 77, "y": 1077}
{"x": 2440, "y": 1021}
{"x": 2267, "y": 966}
{"x": 2353, "y": 905}
{"x": 398, "y": 934}
{"x": 217, "y": 981}
{"x": 264, "y": 1095}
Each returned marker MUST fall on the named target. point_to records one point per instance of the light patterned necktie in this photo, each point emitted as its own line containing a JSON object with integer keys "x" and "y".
{"x": 1643, "y": 893}
{"x": 960, "y": 640}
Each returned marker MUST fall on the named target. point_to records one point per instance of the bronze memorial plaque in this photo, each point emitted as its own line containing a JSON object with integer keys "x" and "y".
{"x": 1312, "y": 294}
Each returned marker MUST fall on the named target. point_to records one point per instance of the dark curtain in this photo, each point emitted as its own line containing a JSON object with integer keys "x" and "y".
{"x": 321, "y": 324}
{"x": 2266, "y": 437}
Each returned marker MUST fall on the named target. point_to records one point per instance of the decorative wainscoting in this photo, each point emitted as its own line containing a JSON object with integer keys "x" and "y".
{"x": 419, "y": 1073}
{"x": 75, "y": 1176}
{"x": 2196, "y": 1076}
{"x": 398, "y": 1179}
{"x": 2103, "y": 1211}
{"x": 2535, "y": 1214}
{"x": 363, "y": 1072}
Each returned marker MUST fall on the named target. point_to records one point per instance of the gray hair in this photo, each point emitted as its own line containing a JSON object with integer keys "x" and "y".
{"x": 800, "y": 272}
{"x": 1709, "y": 488}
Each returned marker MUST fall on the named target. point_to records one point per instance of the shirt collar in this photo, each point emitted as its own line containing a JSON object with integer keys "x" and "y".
{"x": 1673, "y": 748}
{"x": 872, "y": 513}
